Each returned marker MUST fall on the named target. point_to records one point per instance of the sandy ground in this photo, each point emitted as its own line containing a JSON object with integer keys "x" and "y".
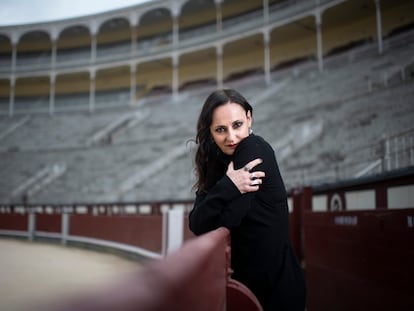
{"x": 36, "y": 274}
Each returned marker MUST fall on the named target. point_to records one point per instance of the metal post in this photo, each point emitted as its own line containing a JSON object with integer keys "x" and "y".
{"x": 65, "y": 226}
{"x": 32, "y": 224}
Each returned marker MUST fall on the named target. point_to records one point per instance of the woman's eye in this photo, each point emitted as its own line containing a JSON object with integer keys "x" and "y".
{"x": 219, "y": 130}
{"x": 237, "y": 124}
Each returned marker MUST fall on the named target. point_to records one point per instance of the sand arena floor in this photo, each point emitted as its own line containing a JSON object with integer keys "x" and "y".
{"x": 34, "y": 274}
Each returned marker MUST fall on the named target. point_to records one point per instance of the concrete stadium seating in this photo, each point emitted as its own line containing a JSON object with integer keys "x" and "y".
{"x": 324, "y": 126}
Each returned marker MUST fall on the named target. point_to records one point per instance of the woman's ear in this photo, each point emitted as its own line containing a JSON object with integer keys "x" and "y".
{"x": 249, "y": 118}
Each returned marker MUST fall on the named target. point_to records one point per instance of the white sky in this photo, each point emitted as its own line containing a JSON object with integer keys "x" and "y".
{"x": 15, "y": 12}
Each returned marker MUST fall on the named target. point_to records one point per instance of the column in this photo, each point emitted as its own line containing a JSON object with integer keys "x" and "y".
{"x": 266, "y": 11}
{"x": 12, "y": 76}
{"x": 219, "y": 52}
{"x": 133, "y": 86}
{"x": 266, "y": 40}
{"x": 133, "y": 21}
{"x": 94, "y": 32}
{"x": 318, "y": 20}
{"x": 54, "y": 37}
{"x": 52, "y": 93}
{"x": 53, "y": 60}
{"x": 219, "y": 17}
{"x": 14, "y": 59}
{"x": 14, "y": 41}
{"x": 31, "y": 223}
{"x": 92, "y": 74}
{"x": 134, "y": 37}
{"x": 175, "y": 57}
{"x": 175, "y": 33}
{"x": 65, "y": 220}
{"x": 175, "y": 64}
{"x": 93, "y": 49}
{"x": 379, "y": 25}
{"x": 52, "y": 88}
{"x": 11, "y": 97}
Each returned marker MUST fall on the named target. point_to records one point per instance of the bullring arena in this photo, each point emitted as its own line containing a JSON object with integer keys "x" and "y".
{"x": 98, "y": 117}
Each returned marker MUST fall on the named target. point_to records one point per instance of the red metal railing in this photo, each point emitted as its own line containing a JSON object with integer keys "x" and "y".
{"x": 195, "y": 277}
{"x": 358, "y": 255}
{"x": 360, "y": 260}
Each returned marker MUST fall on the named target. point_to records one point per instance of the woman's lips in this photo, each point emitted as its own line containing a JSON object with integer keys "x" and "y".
{"x": 232, "y": 146}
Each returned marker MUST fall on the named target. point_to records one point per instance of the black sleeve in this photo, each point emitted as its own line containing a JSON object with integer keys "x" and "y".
{"x": 212, "y": 210}
{"x": 224, "y": 205}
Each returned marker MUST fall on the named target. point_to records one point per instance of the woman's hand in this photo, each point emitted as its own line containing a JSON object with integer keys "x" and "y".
{"x": 243, "y": 179}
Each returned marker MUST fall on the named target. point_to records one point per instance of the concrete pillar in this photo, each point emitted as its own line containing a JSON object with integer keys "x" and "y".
{"x": 94, "y": 32}
{"x": 52, "y": 93}
{"x": 175, "y": 76}
{"x": 92, "y": 74}
{"x": 265, "y": 11}
{"x": 65, "y": 226}
{"x": 54, "y": 37}
{"x": 133, "y": 20}
{"x": 11, "y": 96}
{"x": 175, "y": 33}
{"x": 31, "y": 226}
{"x": 219, "y": 17}
{"x": 219, "y": 52}
{"x": 14, "y": 42}
{"x": 318, "y": 20}
{"x": 266, "y": 40}
{"x": 379, "y": 25}
{"x": 133, "y": 86}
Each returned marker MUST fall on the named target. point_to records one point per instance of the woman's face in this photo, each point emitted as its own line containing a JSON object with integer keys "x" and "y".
{"x": 230, "y": 125}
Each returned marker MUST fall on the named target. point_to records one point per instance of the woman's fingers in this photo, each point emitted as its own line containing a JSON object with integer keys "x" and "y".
{"x": 257, "y": 174}
{"x": 255, "y": 178}
{"x": 244, "y": 179}
{"x": 256, "y": 182}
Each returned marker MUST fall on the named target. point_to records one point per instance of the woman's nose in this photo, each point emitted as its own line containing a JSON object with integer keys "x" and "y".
{"x": 231, "y": 135}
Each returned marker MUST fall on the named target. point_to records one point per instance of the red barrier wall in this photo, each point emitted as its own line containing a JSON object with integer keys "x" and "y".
{"x": 360, "y": 260}
{"x": 16, "y": 222}
{"x": 142, "y": 231}
{"x": 301, "y": 200}
{"x": 49, "y": 223}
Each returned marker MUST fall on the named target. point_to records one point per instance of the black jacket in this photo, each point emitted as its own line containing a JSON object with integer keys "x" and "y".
{"x": 261, "y": 254}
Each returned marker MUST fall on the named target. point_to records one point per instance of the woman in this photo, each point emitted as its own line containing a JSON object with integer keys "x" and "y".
{"x": 239, "y": 187}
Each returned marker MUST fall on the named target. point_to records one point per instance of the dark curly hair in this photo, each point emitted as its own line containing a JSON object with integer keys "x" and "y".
{"x": 207, "y": 167}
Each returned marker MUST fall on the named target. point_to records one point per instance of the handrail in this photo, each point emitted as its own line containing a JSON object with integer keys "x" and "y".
{"x": 194, "y": 277}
